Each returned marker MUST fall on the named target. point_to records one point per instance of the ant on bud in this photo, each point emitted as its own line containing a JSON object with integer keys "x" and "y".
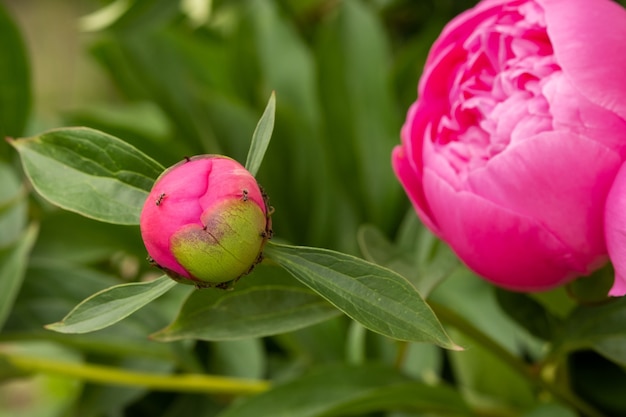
{"x": 160, "y": 199}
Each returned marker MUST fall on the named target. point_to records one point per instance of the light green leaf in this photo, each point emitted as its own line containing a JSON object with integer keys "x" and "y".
{"x": 111, "y": 305}
{"x": 13, "y": 260}
{"x": 243, "y": 358}
{"x": 13, "y": 205}
{"x": 15, "y": 93}
{"x": 378, "y": 298}
{"x": 261, "y": 137}
{"x": 350, "y": 391}
{"x": 89, "y": 172}
{"x": 265, "y": 303}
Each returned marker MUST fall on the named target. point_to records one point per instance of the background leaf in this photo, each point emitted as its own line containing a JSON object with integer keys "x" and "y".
{"x": 265, "y": 303}
{"x": 350, "y": 391}
{"x": 417, "y": 254}
{"x": 599, "y": 327}
{"x": 13, "y": 261}
{"x": 15, "y": 87}
{"x": 111, "y": 305}
{"x": 89, "y": 172}
{"x": 354, "y": 60}
{"x": 13, "y": 206}
{"x": 376, "y": 297}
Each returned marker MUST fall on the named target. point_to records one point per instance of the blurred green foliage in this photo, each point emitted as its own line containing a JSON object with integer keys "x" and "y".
{"x": 177, "y": 78}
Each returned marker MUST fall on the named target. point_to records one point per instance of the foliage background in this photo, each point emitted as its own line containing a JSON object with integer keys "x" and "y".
{"x": 174, "y": 80}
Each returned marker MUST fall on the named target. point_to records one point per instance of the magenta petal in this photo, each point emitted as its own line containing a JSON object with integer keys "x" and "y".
{"x": 504, "y": 247}
{"x": 615, "y": 231}
{"x": 574, "y": 113}
{"x": 413, "y": 186}
{"x": 588, "y": 41}
{"x": 561, "y": 181}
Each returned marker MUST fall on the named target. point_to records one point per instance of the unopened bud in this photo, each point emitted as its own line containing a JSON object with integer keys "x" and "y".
{"x": 205, "y": 221}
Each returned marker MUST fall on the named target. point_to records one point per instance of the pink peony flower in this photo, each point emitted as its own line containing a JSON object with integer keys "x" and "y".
{"x": 517, "y": 135}
{"x": 205, "y": 221}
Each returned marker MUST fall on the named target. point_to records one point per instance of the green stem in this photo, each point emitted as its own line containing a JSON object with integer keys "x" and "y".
{"x": 450, "y": 317}
{"x": 115, "y": 376}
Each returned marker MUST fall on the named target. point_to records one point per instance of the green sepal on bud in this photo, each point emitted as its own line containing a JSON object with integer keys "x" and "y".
{"x": 227, "y": 247}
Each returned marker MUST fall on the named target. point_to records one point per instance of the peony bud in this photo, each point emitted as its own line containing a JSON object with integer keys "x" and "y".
{"x": 205, "y": 221}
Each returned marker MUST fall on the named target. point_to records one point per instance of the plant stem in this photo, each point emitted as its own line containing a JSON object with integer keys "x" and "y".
{"x": 450, "y": 317}
{"x": 115, "y": 376}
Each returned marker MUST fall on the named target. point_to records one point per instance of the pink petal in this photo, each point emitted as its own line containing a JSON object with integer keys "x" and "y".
{"x": 615, "y": 230}
{"x": 562, "y": 181}
{"x": 413, "y": 186}
{"x": 573, "y": 112}
{"x": 588, "y": 39}
{"x": 504, "y": 247}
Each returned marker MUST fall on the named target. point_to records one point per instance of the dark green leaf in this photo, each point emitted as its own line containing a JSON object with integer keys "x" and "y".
{"x": 601, "y": 327}
{"x": 354, "y": 56}
{"x": 599, "y": 381}
{"x": 376, "y": 297}
{"x": 261, "y": 137}
{"x": 89, "y": 172}
{"x": 111, "y": 305}
{"x": 265, "y": 303}
{"x": 592, "y": 289}
{"x": 15, "y": 88}
{"x": 13, "y": 261}
{"x": 346, "y": 390}
{"x": 550, "y": 410}
{"x": 529, "y": 313}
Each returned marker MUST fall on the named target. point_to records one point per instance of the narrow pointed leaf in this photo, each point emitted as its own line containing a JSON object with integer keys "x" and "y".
{"x": 111, "y": 305}
{"x": 13, "y": 261}
{"x": 261, "y": 137}
{"x": 89, "y": 172}
{"x": 15, "y": 94}
{"x": 378, "y": 298}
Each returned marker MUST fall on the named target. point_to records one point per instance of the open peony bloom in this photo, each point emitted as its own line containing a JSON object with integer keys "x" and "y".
{"x": 205, "y": 221}
{"x": 518, "y": 132}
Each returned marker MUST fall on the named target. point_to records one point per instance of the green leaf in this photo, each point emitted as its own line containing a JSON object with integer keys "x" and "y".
{"x": 550, "y": 410}
{"x": 263, "y": 304}
{"x": 13, "y": 261}
{"x": 598, "y": 327}
{"x": 261, "y": 137}
{"x": 52, "y": 287}
{"x": 89, "y": 172}
{"x": 349, "y": 390}
{"x": 528, "y": 312}
{"x": 599, "y": 381}
{"x": 243, "y": 358}
{"x": 13, "y": 205}
{"x": 15, "y": 88}
{"x": 111, "y": 305}
{"x": 473, "y": 299}
{"x": 353, "y": 58}
{"x": 425, "y": 261}
{"x": 378, "y": 298}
